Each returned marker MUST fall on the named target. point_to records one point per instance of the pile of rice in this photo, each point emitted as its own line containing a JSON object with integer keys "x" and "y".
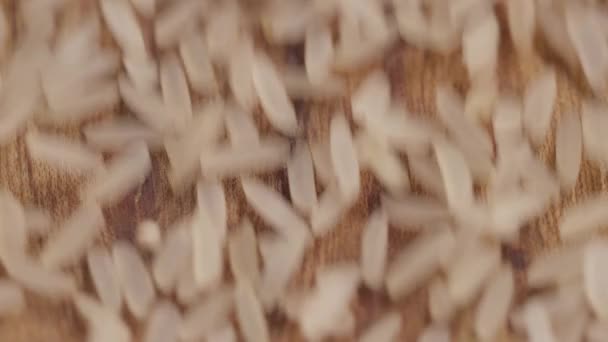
{"x": 204, "y": 95}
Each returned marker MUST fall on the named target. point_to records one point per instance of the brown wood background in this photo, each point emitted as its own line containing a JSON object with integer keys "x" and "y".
{"x": 414, "y": 75}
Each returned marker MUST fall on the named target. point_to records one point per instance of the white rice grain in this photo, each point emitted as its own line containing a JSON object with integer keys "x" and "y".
{"x": 146, "y": 106}
{"x": 371, "y": 98}
{"x": 241, "y": 127}
{"x": 374, "y": 247}
{"x": 163, "y": 323}
{"x": 211, "y": 202}
{"x": 62, "y": 153}
{"x": 273, "y": 96}
{"x": 595, "y": 279}
{"x": 113, "y": 135}
{"x": 328, "y": 212}
{"x": 171, "y": 259}
{"x": 12, "y": 298}
{"x": 146, "y": 8}
{"x": 318, "y": 53}
{"x": 584, "y": 217}
{"x": 243, "y": 254}
{"x": 121, "y": 20}
{"x": 198, "y": 64}
{"x": 522, "y": 24}
{"x": 103, "y": 274}
{"x": 435, "y": 333}
{"x": 456, "y": 175}
{"x": 250, "y": 315}
{"x": 176, "y": 94}
{"x": 441, "y": 307}
{"x": 538, "y": 325}
{"x": 301, "y": 177}
{"x": 344, "y": 158}
{"x": 539, "y": 100}
{"x": 103, "y": 324}
{"x": 480, "y": 44}
{"x": 38, "y": 279}
{"x": 207, "y": 251}
{"x": 169, "y": 26}
{"x": 414, "y": 211}
{"x": 555, "y": 267}
{"x": 76, "y": 234}
{"x": 568, "y": 150}
{"x": 493, "y": 307}
{"x": 240, "y": 77}
{"x": 135, "y": 281}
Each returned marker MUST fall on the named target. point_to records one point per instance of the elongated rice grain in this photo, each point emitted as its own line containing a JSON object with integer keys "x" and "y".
{"x": 62, "y": 153}
{"x": 416, "y": 263}
{"x": 103, "y": 274}
{"x": 522, "y": 24}
{"x": 301, "y": 177}
{"x": 76, "y": 234}
{"x": 240, "y": 77}
{"x": 595, "y": 279}
{"x": 124, "y": 173}
{"x": 584, "y": 217}
{"x": 145, "y": 8}
{"x": 374, "y": 247}
{"x": 250, "y": 315}
{"x": 36, "y": 278}
{"x": 385, "y": 328}
{"x": 176, "y": 95}
{"x": 328, "y": 212}
{"x": 225, "y": 334}
{"x": 456, "y": 175}
{"x": 38, "y": 221}
{"x": 172, "y": 257}
{"x": 568, "y": 150}
{"x": 122, "y": 23}
{"x": 344, "y": 158}
{"x": 82, "y": 104}
{"x": 135, "y": 281}
{"x": 593, "y": 122}
{"x": 103, "y": 324}
{"x": 556, "y": 266}
{"x": 441, "y": 307}
{"x": 113, "y": 135}
{"x": 539, "y": 99}
{"x": 412, "y": 211}
{"x": 12, "y": 298}
{"x": 147, "y": 107}
{"x": 493, "y": 308}
{"x": 275, "y": 210}
{"x": 171, "y": 23}
{"x": 163, "y": 323}
{"x": 207, "y": 315}
{"x": 318, "y": 53}
{"x": 197, "y": 64}
{"x": 270, "y": 154}
{"x": 273, "y": 96}
{"x": 211, "y": 202}
{"x": 222, "y": 32}
{"x": 469, "y": 272}
{"x": 321, "y": 159}
{"x": 207, "y": 251}
{"x": 241, "y": 128}
{"x": 480, "y": 45}
{"x": 538, "y": 325}
{"x": 372, "y": 97}
{"x": 142, "y": 71}
{"x": 243, "y": 254}
{"x": 435, "y": 333}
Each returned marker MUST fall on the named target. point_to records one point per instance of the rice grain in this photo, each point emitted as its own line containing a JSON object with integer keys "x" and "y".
{"x": 103, "y": 275}
{"x": 539, "y": 100}
{"x": 122, "y": 23}
{"x": 250, "y": 315}
{"x": 206, "y": 316}
{"x": 171, "y": 259}
{"x": 176, "y": 95}
{"x": 344, "y": 158}
{"x": 243, "y": 254}
{"x": 374, "y": 246}
{"x": 163, "y": 323}
{"x": 62, "y": 153}
{"x": 568, "y": 150}
{"x": 207, "y": 251}
{"x": 198, "y": 64}
{"x": 318, "y": 53}
{"x": 301, "y": 178}
{"x": 595, "y": 280}
{"x": 493, "y": 307}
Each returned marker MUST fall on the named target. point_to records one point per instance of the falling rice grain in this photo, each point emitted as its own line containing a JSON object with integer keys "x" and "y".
{"x": 172, "y": 257}
{"x": 198, "y": 64}
{"x": 385, "y": 328}
{"x": 372, "y": 97}
{"x": 146, "y": 106}
{"x": 62, "y": 153}
{"x": 480, "y": 45}
{"x": 273, "y": 96}
{"x": 318, "y": 53}
{"x": 38, "y": 221}
{"x": 539, "y": 100}
{"x": 555, "y": 267}
{"x": 241, "y": 127}
{"x": 142, "y": 71}
{"x": 146, "y": 8}
{"x": 207, "y": 251}
{"x": 240, "y": 77}
{"x": 163, "y": 323}
{"x": 211, "y": 202}
{"x": 595, "y": 279}
{"x": 583, "y": 218}
{"x": 328, "y": 212}
{"x": 38, "y": 279}
{"x": 250, "y": 315}
{"x": 441, "y": 307}
{"x": 113, "y": 135}
{"x": 169, "y": 26}
{"x": 374, "y": 247}
{"x": 208, "y": 315}
{"x": 435, "y": 333}
{"x": 522, "y": 24}
{"x": 104, "y": 278}
{"x": 122, "y": 23}
{"x": 456, "y": 175}
{"x": 538, "y": 325}
{"x": 344, "y": 158}
{"x": 135, "y": 281}
{"x": 243, "y": 254}
{"x": 224, "y": 334}
{"x": 301, "y": 177}
{"x": 568, "y": 150}
{"x": 103, "y": 324}
{"x": 176, "y": 95}
{"x": 494, "y": 305}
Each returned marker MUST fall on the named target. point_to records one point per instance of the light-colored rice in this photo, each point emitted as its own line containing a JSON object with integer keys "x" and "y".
{"x": 148, "y": 235}
{"x": 146, "y": 106}
{"x": 84, "y": 103}
{"x": 286, "y": 22}
{"x": 385, "y": 328}
{"x": 481, "y": 98}
{"x": 243, "y": 254}
{"x": 318, "y": 53}
{"x": 336, "y": 285}
{"x": 240, "y": 77}
{"x": 250, "y": 314}
{"x": 435, "y": 333}
{"x": 425, "y": 172}
{"x": 383, "y": 162}
{"x": 275, "y": 210}
{"x": 469, "y": 272}
{"x": 135, "y": 281}
{"x": 142, "y": 71}
{"x": 225, "y": 161}
{"x": 76, "y": 234}
{"x": 62, "y": 153}
{"x": 510, "y": 210}
{"x": 441, "y": 307}
{"x": 171, "y": 23}
{"x": 225, "y": 334}
{"x": 145, "y": 8}
{"x": 593, "y": 122}
{"x": 456, "y": 175}
{"x": 113, "y": 135}
{"x": 272, "y": 95}
{"x": 522, "y": 24}
{"x": 494, "y": 305}
{"x": 121, "y": 20}
{"x": 301, "y": 177}
{"x": 300, "y": 87}
{"x": 328, "y": 212}
{"x": 344, "y": 158}
{"x": 197, "y": 64}
{"x": 480, "y": 44}
{"x": 582, "y": 219}
{"x": 240, "y": 127}
{"x": 568, "y": 150}
{"x": 585, "y": 33}
{"x": 538, "y": 325}
{"x": 412, "y": 211}
{"x": 207, "y": 251}
{"x": 507, "y": 122}
{"x": 12, "y": 298}
{"x": 163, "y": 323}
{"x": 222, "y": 31}
{"x": 103, "y": 324}
{"x": 321, "y": 159}
{"x": 211, "y": 202}
{"x": 176, "y": 94}
{"x": 36, "y": 278}
{"x": 539, "y": 100}
{"x": 76, "y": 45}
{"x": 555, "y": 267}
{"x": 595, "y": 279}
{"x": 104, "y": 278}
{"x": 207, "y": 315}
{"x": 416, "y": 263}
{"x": 123, "y": 173}
{"x": 374, "y": 249}
{"x": 372, "y": 97}
{"x": 13, "y": 230}
{"x": 171, "y": 259}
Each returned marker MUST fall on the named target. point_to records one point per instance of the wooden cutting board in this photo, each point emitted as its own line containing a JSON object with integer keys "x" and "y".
{"x": 414, "y": 75}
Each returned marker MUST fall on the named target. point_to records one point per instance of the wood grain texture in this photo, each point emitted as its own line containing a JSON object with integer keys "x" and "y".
{"x": 414, "y": 75}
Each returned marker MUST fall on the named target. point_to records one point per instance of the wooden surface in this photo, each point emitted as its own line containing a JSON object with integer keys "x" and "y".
{"x": 414, "y": 75}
